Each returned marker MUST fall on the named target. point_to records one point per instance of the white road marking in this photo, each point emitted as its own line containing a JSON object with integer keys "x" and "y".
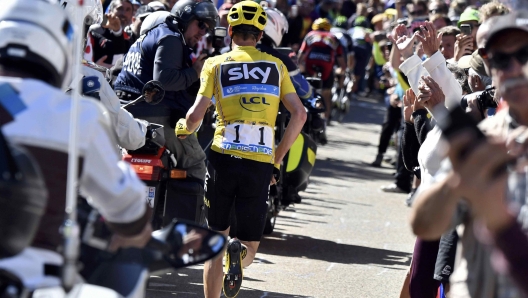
{"x": 383, "y": 271}
{"x": 330, "y": 267}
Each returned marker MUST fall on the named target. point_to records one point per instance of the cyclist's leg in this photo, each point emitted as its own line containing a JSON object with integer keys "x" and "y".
{"x": 218, "y": 216}
{"x": 251, "y": 207}
{"x": 213, "y": 272}
{"x": 326, "y": 93}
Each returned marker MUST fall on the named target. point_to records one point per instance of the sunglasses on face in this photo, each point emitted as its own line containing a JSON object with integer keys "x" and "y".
{"x": 203, "y": 26}
{"x": 502, "y": 61}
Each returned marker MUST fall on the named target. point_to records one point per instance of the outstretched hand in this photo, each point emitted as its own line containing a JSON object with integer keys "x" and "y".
{"x": 430, "y": 38}
{"x": 403, "y": 41}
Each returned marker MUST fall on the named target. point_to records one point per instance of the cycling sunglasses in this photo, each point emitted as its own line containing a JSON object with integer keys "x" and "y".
{"x": 502, "y": 61}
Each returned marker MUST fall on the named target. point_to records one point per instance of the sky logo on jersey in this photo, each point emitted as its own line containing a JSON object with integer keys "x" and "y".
{"x": 249, "y": 78}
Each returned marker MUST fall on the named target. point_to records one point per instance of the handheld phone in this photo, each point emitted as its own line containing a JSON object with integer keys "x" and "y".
{"x": 465, "y": 29}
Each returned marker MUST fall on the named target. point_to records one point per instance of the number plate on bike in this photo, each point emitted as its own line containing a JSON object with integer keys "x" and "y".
{"x": 248, "y": 138}
{"x": 150, "y": 194}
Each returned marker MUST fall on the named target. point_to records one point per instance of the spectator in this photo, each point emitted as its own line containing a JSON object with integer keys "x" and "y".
{"x": 133, "y": 29}
{"x": 491, "y": 9}
{"x": 471, "y": 17}
{"x": 300, "y": 23}
{"x": 441, "y": 206}
{"x": 107, "y": 43}
{"x": 438, "y": 7}
{"x": 478, "y": 79}
{"x": 447, "y": 45}
{"x": 456, "y": 8}
{"x": 439, "y": 20}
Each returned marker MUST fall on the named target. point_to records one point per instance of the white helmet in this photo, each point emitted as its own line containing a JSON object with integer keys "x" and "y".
{"x": 153, "y": 20}
{"x": 276, "y": 26}
{"x": 92, "y": 11}
{"x": 36, "y": 33}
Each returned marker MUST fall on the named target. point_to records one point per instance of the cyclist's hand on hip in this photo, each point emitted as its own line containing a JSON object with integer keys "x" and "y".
{"x": 275, "y": 177}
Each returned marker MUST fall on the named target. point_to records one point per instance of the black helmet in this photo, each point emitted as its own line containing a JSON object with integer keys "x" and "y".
{"x": 23, "y": 198}
{"x": 202, "y": 10}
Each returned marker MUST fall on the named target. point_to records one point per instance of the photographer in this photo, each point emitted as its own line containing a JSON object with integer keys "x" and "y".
{"x": 474, "y": 177}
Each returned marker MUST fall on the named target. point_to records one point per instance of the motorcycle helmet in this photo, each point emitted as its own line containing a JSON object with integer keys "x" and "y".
{"x": 186, "y": 11}
{"x": 91, "y": 13}
{"x": 247, "y": 13}
{"x": 36, "y": 35}
{"x": 276, "y": 26}
{"x": 322, "y": 24}
{"x": 23, "y": 198}
{"x": 153, "y": 20}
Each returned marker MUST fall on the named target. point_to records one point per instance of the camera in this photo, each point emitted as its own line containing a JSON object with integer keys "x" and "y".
{"x": 217, "y": 40}
{"x": 465, "y": 29}
{"x": 485, "y": 100}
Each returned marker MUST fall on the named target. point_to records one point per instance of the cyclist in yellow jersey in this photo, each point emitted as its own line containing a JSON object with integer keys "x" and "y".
{"x": 248, "y": 86}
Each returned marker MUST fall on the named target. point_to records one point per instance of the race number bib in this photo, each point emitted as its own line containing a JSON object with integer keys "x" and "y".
{"x": 248, "y": 138}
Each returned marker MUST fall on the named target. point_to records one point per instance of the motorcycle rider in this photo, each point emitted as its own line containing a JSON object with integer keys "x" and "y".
{"x": 163, "y": 54}
{"x": 243, "y": 150}
{"x": 320, "y": 48}
{"x": 35, "y": 114}
{"x": 130, "y": 132}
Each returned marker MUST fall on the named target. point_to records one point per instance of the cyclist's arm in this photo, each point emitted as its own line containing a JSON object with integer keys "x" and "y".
{"x": 203, "y": 99}
{"x": 197, "y": 112}
{"x": 298, "y": 117}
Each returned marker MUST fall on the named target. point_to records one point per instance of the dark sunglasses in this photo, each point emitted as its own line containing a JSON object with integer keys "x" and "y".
{"x": 502, "y": 61}
{"x": 203, "y": 26}
{"x": 417, "y": 12}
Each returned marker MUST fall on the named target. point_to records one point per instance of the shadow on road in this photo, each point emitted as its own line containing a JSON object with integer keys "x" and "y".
{"x": 335, "y": 168}
{"x": 188, "y": 283}
{"x": 299, "y": 246}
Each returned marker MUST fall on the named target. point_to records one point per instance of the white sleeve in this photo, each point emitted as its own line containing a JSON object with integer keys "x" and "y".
{"x": 110, "y": 184}
{"x": 437, "y": 67}
{"x": 130, "y": 131}
{"x": 414, "y": 70}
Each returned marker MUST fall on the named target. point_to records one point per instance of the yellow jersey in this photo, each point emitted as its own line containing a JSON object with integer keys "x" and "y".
{"x": 247, "y": 85}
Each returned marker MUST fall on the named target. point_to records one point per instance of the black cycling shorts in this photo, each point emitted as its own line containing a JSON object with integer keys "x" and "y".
{"x": 244, "y": 183}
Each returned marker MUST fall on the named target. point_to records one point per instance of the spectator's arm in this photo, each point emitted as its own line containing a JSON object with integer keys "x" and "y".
{"x": 433, "y": 209}
{"x": 511, "y": 253}
{"x": 437, "y": 67}
{"x": 413, "y": 69}
{"x": 422, "y": 124}
{"x": 409, "y": 147}
{"x": 168, "y": 66}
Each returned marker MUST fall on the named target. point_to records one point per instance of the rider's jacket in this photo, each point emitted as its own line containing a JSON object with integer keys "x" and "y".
{"x": 139, "y": 67}
{"x": 248, "y": 86}
{"x": 302, "y": 87}
{"x": 36, "y": 116}
{"x": 321, "y": 49}
{"x": 130, "y": 132}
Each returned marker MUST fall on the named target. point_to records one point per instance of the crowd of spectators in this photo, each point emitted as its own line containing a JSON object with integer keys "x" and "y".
{"x": 421, "y": 57}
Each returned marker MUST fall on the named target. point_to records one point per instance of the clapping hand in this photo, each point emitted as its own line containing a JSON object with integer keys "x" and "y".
{"x": 429, "y": 38}
{"x": 403, "y": 41}
{"x": 430, "y": 93}
{"x": 411, "y": 105}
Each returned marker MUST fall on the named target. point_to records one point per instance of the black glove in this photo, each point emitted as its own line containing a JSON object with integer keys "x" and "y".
{"x": 276, "y": 172}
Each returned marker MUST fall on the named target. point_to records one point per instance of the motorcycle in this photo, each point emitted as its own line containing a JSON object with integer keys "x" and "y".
{"x": 155, "y": 165}
{"x": 126, "y": 272}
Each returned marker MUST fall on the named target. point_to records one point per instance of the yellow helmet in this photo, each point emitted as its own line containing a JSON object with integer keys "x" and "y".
{"x": 247, "y": 13}
{"x": 321, "y": 24}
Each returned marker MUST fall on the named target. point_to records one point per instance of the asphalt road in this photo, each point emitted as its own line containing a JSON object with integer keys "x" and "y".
{"x": 345, "y": 239}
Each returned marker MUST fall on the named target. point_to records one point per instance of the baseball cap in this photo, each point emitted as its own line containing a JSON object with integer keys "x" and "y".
{"x": 473, "y": 61}
{"x": 144, "y": 10}
{"x": 514, "y": 20}
{"x": 469, "y": 15}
